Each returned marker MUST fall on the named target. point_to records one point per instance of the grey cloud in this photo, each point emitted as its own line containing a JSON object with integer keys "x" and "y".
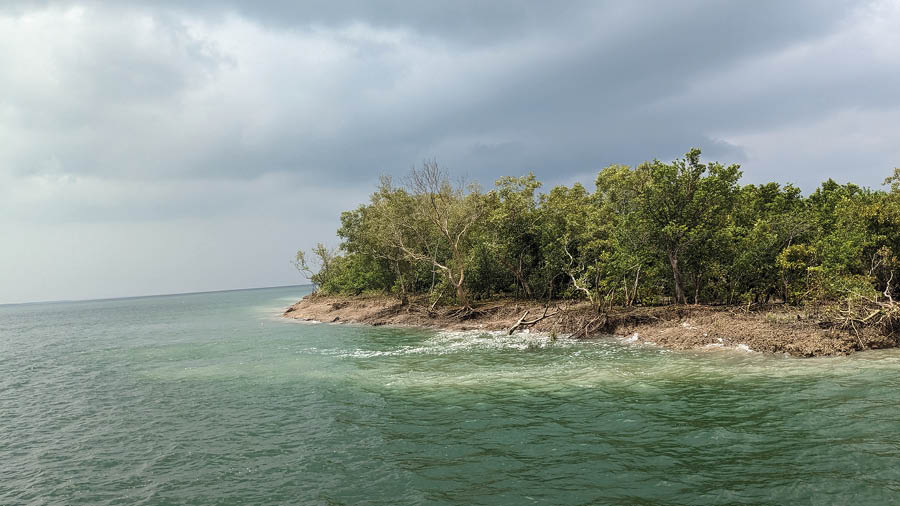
{"x": 571, "y": 88}
{"x": 464, "y": 21}
{"x": 150, "y": 112}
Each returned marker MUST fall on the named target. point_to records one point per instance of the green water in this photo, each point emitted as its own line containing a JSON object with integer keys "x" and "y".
{"x": 212, "y": 399}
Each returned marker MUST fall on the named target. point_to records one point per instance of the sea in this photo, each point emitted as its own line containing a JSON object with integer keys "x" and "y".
{"x": 213, "y": 398}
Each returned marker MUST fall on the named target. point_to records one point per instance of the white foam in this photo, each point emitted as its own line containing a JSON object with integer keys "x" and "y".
{"x": 459, "y": 341}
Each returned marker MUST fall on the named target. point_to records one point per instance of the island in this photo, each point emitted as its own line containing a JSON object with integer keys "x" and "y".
{"x": 680, "y": 254}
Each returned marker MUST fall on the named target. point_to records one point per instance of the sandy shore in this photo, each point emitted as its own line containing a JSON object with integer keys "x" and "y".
{"x": 776, "y": 329}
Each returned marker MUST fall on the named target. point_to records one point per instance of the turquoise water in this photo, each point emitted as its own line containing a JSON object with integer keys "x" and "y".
{"x": 212, "y": 399}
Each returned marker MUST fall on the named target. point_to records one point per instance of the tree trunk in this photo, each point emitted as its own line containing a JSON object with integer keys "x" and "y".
{"x": 697, "y": 289}
{"x": 520, "y": 277}
{"x": 461, "y": 295}
{"x": 676, "y": 273}
{"x": 404, "y": 300}
{"x": 433, "y": 275}
{"x": 525, "y": 286}
{"x": 637, "y": 277}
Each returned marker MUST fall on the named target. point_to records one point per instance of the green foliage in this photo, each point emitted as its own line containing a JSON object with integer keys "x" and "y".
{"x": 514, "y": 220}
{"x": 354, "y": 274}
{"x": 684, "y": 231}
{"x": 685, "y": 206}
{"x": 798, "y": 264}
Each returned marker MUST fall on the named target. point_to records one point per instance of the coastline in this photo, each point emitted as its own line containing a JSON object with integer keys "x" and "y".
{"x": 774, "y": 329}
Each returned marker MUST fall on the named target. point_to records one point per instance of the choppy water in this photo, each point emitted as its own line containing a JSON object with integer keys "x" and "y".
{"x": 212, "y": 399}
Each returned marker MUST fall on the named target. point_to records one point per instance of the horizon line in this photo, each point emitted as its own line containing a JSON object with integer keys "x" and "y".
{"x": 147, "y": 296}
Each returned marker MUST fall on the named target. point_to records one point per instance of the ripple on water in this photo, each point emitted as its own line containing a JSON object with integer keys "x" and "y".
{"x": 206, "y": 399}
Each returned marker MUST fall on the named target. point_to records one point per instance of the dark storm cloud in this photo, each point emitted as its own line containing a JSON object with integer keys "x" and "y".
{"x": 135, "y": 118}
{"x": 555, "y": 90}
{"x": 586, "y": 99}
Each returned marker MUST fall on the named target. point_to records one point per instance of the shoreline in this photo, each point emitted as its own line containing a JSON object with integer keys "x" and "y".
{"x": 773, "y": 329}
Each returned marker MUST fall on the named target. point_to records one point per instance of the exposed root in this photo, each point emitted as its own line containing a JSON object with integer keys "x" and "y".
{"x": 861, "y": 315}
{"x": 585, "y": 330}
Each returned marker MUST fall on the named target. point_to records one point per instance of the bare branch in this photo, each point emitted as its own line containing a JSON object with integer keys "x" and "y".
{"x": 522, "y": 323}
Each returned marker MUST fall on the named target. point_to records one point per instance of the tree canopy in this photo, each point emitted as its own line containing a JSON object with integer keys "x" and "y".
{"x": 680, "y": 232}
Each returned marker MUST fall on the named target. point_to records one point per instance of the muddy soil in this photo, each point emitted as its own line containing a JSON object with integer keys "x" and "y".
{"x": 774, "y": 329}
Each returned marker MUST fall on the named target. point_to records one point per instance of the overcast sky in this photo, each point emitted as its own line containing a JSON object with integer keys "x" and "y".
{"x": 161, "y": 146}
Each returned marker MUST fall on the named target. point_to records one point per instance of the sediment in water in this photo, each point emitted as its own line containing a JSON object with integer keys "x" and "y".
{"x": 773, "y": 329}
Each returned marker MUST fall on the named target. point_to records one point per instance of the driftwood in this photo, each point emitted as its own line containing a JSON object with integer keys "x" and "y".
{"x": 523, "y": 323}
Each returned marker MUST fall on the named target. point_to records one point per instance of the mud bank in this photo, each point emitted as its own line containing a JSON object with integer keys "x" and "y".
{"x": 778, "y": 329}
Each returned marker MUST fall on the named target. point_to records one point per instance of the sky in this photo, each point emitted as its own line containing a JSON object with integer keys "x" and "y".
{"x": 152, "y": 147}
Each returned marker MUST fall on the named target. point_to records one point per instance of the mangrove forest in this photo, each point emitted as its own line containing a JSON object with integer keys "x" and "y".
{"x": 685, "y": 232}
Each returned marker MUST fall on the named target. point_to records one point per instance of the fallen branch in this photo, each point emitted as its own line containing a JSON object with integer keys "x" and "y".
{"x": 522, "y": 323}
{"x": 517, "y": 324}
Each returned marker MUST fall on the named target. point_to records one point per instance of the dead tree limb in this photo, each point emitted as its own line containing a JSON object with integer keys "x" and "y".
{"x": 888, "y": 289}
{"x": 523, "y": 323}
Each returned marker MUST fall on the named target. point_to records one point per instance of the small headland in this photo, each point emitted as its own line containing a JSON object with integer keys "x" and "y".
{"x": 799, "y": 332}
